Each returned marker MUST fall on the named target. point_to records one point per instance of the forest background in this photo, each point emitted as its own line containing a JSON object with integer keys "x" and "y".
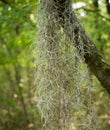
{"x": 18, "y": 26}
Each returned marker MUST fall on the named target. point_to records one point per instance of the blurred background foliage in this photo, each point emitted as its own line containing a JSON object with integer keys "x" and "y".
{"x": 17, "y": 65}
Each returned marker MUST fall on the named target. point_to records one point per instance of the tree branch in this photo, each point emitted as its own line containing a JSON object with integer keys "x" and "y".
{"x": 73, "y": 29}
{"x": 6, "y": 2}
{"x": 108, "y": 6}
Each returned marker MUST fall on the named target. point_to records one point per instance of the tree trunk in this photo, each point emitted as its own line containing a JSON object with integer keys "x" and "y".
{"x": 108, "y": 6}
{"x": 96, "y": 4}
{"x": 73, "y": 29}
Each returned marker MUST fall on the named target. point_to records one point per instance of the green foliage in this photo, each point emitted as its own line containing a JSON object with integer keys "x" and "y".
{"x": 17, "y": 33}
{"x": 17, "y": 24}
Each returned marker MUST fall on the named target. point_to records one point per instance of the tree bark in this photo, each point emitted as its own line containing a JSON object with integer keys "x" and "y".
{"x": 96, "y": 4}
{"x": 108, "y": 6}
{"x": 74, "y": 30}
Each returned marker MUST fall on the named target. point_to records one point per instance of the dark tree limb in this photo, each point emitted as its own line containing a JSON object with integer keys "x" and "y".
{"x": 73, "y": 29}
{"x": 108, "y": 6}
{"x": 6, "y": 2}
{"x": 96, "y": 4}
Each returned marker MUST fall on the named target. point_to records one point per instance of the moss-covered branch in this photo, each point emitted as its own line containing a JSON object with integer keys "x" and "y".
{"x": 73, "y": 29}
